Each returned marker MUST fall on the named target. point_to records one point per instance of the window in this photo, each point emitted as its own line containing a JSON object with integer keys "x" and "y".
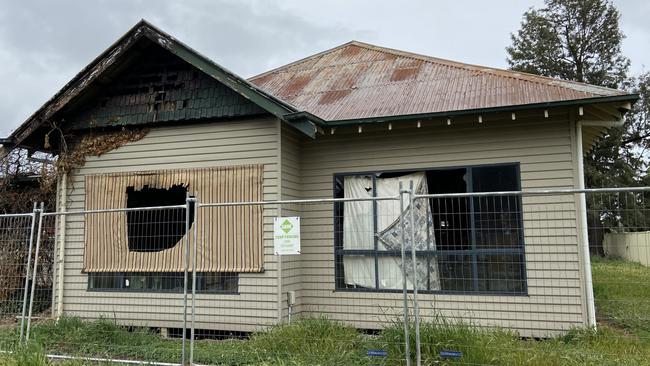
{"x": 163, "y": 282}
{"x": 463, "y": 244}
{"x": 155, "y": 231}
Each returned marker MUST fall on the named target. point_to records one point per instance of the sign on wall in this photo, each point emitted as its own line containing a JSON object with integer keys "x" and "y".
{"x": 286, "y": 235}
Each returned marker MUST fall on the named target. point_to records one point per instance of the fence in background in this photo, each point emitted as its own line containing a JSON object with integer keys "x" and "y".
{"x": 630, "y": 246}
{"x": 416, "y": 264}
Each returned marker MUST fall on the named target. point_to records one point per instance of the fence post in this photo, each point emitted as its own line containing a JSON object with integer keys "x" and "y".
{"x": 27, "y": 275}
{"x": 278, "y": 281}
{"x": 407, "y": 341}
{"x": 186, "y": 243}
{"x": 194, "y": 240}
{"x": 35, "y": 270}
{"x": 416, "y": 309}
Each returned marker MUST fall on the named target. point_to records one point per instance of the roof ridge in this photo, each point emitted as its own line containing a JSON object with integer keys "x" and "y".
{"x": 300, "y": 61}
{"x": 518, "y": 75}
{"x": 487, "y": 69}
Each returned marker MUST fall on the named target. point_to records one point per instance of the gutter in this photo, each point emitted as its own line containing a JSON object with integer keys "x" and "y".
{"x": 311, "y": 124}
{"x": 306, "y": 122}
{"x": 464, "y": 112}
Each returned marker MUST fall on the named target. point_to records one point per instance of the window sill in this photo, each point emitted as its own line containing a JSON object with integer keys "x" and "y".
{"x": 428, "y": 292}
{"x": 189, "y": 292}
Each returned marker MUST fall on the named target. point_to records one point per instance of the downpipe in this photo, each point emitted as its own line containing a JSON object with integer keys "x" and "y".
{"x": 586, "y": 258}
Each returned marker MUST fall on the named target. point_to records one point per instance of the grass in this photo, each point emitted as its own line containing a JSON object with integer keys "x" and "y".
{"x": 323, "y": 342}
{"x": 33, "y": 355}
{"x": 621, "y": 288}
{"x": 622, "y": 292}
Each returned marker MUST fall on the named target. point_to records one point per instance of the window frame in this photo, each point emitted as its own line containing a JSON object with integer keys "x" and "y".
{"x": 121, "y": 275}
{"x": 339, "y": 252}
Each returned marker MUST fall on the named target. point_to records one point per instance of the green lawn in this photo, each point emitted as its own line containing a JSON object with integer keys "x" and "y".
{"x": 622, "y": 292}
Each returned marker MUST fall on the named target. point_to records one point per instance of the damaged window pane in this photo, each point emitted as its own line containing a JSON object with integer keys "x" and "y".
{"x": 467, "y": 244}
{"x": 156, "y": 230}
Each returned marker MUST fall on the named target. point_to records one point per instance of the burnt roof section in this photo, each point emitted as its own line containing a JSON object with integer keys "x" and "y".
{"x": 358, "y": 81}
{"x": 115, "y": 57}
{"x": 154, "y": 86}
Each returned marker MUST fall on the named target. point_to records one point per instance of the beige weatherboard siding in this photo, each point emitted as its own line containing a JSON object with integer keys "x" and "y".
{"x": 295, "y": 167}
{"x": 196, "y": 146}
{"x": 544, "y": 150}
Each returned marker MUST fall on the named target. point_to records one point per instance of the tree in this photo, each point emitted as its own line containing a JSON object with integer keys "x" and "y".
{"x": 580, "y": 40}
{"x": 576, "y": 40}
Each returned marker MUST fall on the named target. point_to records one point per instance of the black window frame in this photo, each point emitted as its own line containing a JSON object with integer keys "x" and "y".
{"x": 120, "y": 277}
{"x": 339, "y": 252}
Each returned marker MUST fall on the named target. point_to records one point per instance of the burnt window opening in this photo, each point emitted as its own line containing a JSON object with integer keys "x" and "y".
{"x": 160, "y": 229}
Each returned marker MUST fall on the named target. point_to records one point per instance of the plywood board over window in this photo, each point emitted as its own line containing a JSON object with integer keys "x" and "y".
{"x": 229, "y": 238}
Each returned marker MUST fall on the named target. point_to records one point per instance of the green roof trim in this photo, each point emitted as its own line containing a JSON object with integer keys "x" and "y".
{"x": 464, "y": 112}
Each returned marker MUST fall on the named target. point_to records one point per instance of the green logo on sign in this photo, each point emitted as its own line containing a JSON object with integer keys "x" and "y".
{"x": 286, "y": 226}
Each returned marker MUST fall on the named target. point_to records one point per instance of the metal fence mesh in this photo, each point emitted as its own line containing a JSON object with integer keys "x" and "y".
{"x": 15, "y": 234}
{"x": 477, "y": 279}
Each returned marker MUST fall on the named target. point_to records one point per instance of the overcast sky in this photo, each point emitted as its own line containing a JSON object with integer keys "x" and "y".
{"x": 43, "y": 44}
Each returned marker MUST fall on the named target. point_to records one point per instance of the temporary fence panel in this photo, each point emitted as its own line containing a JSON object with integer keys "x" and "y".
{"x": 118, "y": 311}
{"x": 16, "y": 240}
{"x": 621, "y": 283}
{"x": 427, "y": 278}
{"x": 307, "y": 286}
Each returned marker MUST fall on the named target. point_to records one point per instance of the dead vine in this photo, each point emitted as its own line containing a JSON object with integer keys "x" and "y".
{"x": 73, "y": 154}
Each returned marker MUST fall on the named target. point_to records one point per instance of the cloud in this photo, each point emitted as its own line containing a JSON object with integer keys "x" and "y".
{"x": 43, "y": 44}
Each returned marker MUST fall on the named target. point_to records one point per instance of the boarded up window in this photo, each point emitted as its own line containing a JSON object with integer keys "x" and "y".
{"x": 229, "y": 238}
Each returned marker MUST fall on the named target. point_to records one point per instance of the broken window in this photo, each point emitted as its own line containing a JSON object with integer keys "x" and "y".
{"x": 156, "y": 230}
{"x": 473, "y": 244}
{"x": 206, "y": 282}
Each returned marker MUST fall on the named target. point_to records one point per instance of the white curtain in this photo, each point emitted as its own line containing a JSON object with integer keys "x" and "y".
{"x": 359, "y": 233}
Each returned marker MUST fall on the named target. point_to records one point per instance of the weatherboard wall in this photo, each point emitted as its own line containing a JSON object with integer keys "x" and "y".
{"x": 298, "y": 167}
{"x": 180, "y": 147}
{"x": 290, "y": 190}
{"x": 544, "y": 148}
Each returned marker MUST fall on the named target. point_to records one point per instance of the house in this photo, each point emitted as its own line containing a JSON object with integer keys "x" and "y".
{"x": 347, "y": 122}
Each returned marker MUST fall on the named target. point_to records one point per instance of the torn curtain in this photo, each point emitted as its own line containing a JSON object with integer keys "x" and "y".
{"x": 359, "y": 232}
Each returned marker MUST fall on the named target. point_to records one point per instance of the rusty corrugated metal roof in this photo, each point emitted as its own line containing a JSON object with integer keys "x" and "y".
{"x": 358, "y": 80}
